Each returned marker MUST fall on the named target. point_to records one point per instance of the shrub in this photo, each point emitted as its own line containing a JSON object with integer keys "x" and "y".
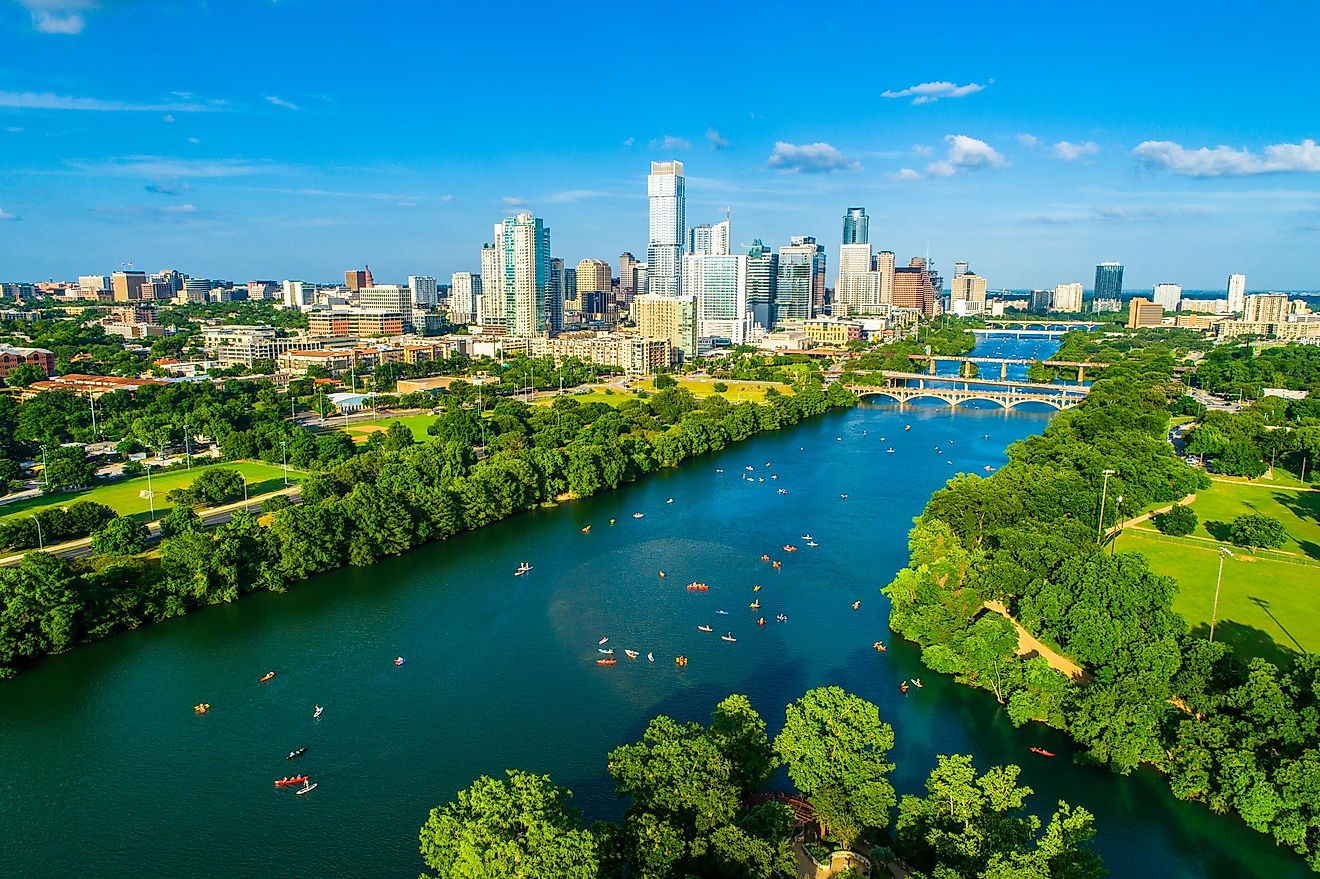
{"x": 120, "y": 536}
{"x": 1178, "y": 521}
{"x": 720, "y": 387}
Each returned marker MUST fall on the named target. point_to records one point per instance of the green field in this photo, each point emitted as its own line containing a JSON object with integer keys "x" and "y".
{"x": 1268, "y": 600}
{"x": 361, "y": 431}
{"x": 738, "y": 392}
{"x": 613, "y": 399}
{"x": 123, "y": 496}
{"x": 1267, "y": 607}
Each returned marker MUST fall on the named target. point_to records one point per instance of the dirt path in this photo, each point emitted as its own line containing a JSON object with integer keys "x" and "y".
{"x": 1187, "y": 501}
{"x": 1028, "y": 645}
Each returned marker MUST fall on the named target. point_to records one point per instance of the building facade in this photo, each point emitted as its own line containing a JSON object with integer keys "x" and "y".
{"x": 1067, "y": 298}
{"x": 528, "y": 292}
{"x": 423, "y": 291}
{"x": 1109, "y": 280}
{"x": 1144, "y": 313}
{"x": 762, "y": 282}
{"x": 1237, "y": 293}
{"x": 664, "y": 250}
{"x": 800, "y": 281}
{"x": 1167, "y": 296}
{"x": 464, "y": 290}
{"x": 856, "y": 227}
{"x": 672, "y": 318}
{"x": 1265, "y": 308}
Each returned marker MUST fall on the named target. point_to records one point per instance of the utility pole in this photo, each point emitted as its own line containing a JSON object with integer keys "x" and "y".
{"x": 41, "y": 543}
{"x": 284, "y": 450}
{"x": 151, "y": 495}
{"x": 45, "y": 471}
{"x": 92, "y": 400}
{"x": 1224, "y": 553}
{"x": 1118, "y": 502}
{"x": 187, "y": 446}
{"x": 1100, "y": 523}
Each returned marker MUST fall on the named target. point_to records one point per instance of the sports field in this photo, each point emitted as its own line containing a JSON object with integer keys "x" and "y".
{"x": 738, "y": 392}
{"x": 125, "y": 497}
{"x": 361, "y": 431}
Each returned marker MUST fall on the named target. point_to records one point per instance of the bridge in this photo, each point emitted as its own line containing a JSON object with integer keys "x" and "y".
{"x": 1005, "y": 362}
{"x": 1042, "y": 324}
{"x": 905, "y": 386}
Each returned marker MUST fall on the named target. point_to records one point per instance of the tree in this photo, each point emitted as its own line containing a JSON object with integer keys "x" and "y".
{"x": 41, "y": 609}
{"x": 120, "y": 536}
{"x": 719, "y": 387}
{"x": 25, "y": 374}
{"x": 739, "y": 732}
{"x": 179, "y": 520}
{"x": 1178, "y": 521}
{"x": 663, "y": 381}
{"x": 522, "y": 828}
{"x": 66, "y": 467}
{"x": 1256, "y": 531}
{"x": 837, "y": 748}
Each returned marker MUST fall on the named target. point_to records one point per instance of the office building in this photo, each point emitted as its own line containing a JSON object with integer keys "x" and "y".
{"x": 297, "y": 294}
{"x": 423, "y": 290}
{"x": 593, "y": 289}
{"x": 90, "y": 286}
{"x": 664, "y": 250}
{"x": 1109, "y": 280}
{"x": 959, "y": 269}
{"x": 1237, "y": 293}
{"x": 627, "y": 264}
{"x": 1167, "y": 296}
{"x": 464, "y": 290}
{"x": 528, "y": 309}
{"x": 719, "y": 284}
{"x": 262, "y": 290}
{"x": 699, "y": 240}
{"x": 967, "y": 294}
{"x": 856, "y": 227}
{"x": 721, "y": 238}
{"x": 1144, "y": 313}
{"x": 673, "y": 318}
{"x": 884, "y": 267}
{"x": 762, "y": 282}
{"x": 12, "y": 357}
{"x": 570, "y": 286}
{"x": 391, "y": 298}
{"x": 127, "y": 286}
{"x": 913, "y": 288}
{"x": 1067, "y": 298}
{"x": 554, "y": 317}
{"x": 355, "y": 279}
{"x": 1039, "y": 301}
{"x": 195, "y": 290}
{"x": 800, "y": 280}
{"x": 490, "y": 304}
{"x": 1265, "y": 308}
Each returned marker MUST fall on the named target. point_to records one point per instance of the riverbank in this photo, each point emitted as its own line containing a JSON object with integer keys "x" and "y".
{"x": 381, "y": 503}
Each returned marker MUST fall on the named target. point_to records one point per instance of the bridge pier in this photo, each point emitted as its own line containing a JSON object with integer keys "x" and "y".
{"x": 1003, "y": 371}
{"x": 930, "y": 366}
{"x": 1081, "y": 374}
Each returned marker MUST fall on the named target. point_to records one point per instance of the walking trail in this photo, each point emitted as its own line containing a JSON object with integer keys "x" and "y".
{"x": 1028, "y": 646}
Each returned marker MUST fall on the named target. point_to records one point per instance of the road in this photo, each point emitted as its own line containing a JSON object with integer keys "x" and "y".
{"x": 82, "y": 548}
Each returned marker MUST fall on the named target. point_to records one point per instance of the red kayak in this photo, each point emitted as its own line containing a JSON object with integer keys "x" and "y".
{"x": 1041, "y": 751}
{"x": 290, "y": 781}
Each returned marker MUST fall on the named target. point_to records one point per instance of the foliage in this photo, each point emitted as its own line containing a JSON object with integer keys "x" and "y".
{"x": 120, "y": 536}
{"x": 1178, "y": 521}
{"x": 213, "y": 486}
{"x": 1257, "y": 531}
{"x": 24, "y": 374}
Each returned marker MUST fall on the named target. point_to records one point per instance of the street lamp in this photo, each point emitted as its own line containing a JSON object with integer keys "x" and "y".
{"x": 1224, "y": 553}
{"x": 1100, "y": 524}
{"x": 41, "y": 543}
{"x": 284, "y": 450}
{"x": 187, "y": 447}
{"x": 1118, "y": 505}
{"x": 151, "y": 495}
{"x": 45, "y": 471}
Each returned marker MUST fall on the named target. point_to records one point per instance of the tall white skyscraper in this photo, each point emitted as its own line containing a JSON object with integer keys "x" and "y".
{"x": 490, "y": 304}
{"x": 423, "y": 290}
{"x": 719, "y": 283}
{"x": 1067, "y": 298}
{"x": 298, "y": 294}
{"x": 464, "y": 289}
{"x": 721, "y": 238}
{"x": 668, "y": 224}
{"x": 1167, "y": 296}
{"x": 1237, "y": 293}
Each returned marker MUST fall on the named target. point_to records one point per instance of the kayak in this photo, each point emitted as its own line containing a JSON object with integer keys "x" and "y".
{"x": 296, "y": 752}
{"x": 267, "y": 676}
{"x": 291, "y": 780}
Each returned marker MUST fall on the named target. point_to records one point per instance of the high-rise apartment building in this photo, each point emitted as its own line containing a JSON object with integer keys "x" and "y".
{"x": 528, "y": 309}
{"x": 967, "y": 294}
{"x": 490, "y": 305}
{"x": 627, "y": 264}
{"x": 668, "y": 317}
{"x": 721, "y": 238}
{"x": 593, "y": 275}
{"x": 800, "y": 279}
{"x": 1167, "y": 296}
{"x": 1067, "y": 298}
{"x": 1237, "y": 293}
{"x": 464, "y": 289}
{"x": 858, "y": 288}
{"x": 127, "y": 286}
{"x": 555, "y": 300}
{"x": 856, "y": 227}
{"x": 1265, "y": 308}
{"x": 762, "y": 282}
{"x": 699, "y": 239}
{"x": 1109, "y": 280}
{"x": 719, "y": 284}
{"x": 913, "y": 288}
{"x": 424, "y": 291}
{"x": 884, "y": 266}
{"x": 664, "y": 250}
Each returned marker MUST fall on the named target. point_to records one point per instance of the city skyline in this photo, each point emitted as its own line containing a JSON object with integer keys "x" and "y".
{"x": 1033, "y": 169}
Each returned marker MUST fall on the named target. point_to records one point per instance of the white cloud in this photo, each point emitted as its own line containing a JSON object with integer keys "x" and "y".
{"x": 630, "y": 141}
{"x": 966, "y": 154}
{"x": 168, "y": 117}
{"x": 1114, "y": 214}
{"x": 8, "y": 215}
{"x": 14, "y": 129}
{"x": 1028, "y": 140}
{"x": 906, "y": 174}
{"x": 792, "y": 158}
{"x": 921, "y": 149}
{"x": 179, "y": 209}
{"x": 446, "y": 198}
{"x": 161, "y": 168}
{"x": 717, "y": 140}
{"x": 670, "y": 142}
{"x": 1224, "y": 161}
{"x": 59, "y": 16}
{"x": 52, "y": 101}
{"x": 514, "y": 202}
{"x": 194, "y": 140}
{"x": 280, "y": 102}
{"x": 405, "y": 204}
{"x": 930, "y": 92}
{"x": 1070, "y": 152}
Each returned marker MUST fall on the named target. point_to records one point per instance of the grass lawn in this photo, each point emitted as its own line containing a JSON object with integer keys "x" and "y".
{"x": 1267, "y": 606}
{"x": 361, "y": 431}
{"x": 1299, "y": 511}
{"x": 613, "y": 399}
{"x": 738, "y": 392}
{"x": 123, "y": 497}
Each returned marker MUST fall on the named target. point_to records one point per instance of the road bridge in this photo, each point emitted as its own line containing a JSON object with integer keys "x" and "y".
{"x": 1005, "y": 362}
{"x": 905, "y": 386}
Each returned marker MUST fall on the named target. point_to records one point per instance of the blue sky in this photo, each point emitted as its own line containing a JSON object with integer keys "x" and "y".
{"x": 245, "y": 139}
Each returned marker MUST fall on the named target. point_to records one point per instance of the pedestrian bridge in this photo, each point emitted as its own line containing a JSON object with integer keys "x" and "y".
{"x": 906, "y": 386}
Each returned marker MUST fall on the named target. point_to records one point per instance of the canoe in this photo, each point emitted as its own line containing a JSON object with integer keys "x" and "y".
{"x": 291, "y": 780}
{"x": 267, "y": 676}
{"x": 610, "y": 661}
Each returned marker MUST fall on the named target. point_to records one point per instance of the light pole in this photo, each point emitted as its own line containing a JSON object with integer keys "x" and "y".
{"x": 45, "y": 471}
{"x": 1100, "y": 524}
{"x": 187, "y": 446}
{"x": 1224, "y": 553}
{"x": 41, "y": 543}
{"x": 151, "y": 495}
{"x": 1118, "y": 505}
{"x": 284, "y": 450}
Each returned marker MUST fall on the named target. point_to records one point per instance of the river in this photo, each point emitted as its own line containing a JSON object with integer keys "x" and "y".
{"x": 106, "y": 772}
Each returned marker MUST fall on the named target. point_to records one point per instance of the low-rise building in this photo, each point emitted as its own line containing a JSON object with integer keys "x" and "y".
{"x": 333, "y": 361}
{"x": 786, "y": 340}
{"x": 634, "y": 355}
{"x": 91, "y": 385}
{"x": 357, "y": 322}
{"x": 12, "y": 356}
{"x": 831, "y": 331}
{"x": 244, "y": 344}
{"x": 1231, "y": 329}
{"x": 1144, "y": 313}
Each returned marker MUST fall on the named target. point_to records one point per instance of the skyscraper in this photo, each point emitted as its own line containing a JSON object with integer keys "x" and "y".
{"x": 959, "y": 268}
{"x": 884, "y": 266}
{"x": 913, "y": 288}
{"x": 627, "y": 290}
{"x": 528, "y": 309}
{"x": 1067, "y": 298}
{"x": 668, "y": 317}
{"x": 856, "y": 226}
{"x": 464, "y": 290}
{"x": 858, "y": 289}
{"x": 800, "y": 279}
{"x": 1167, "y": 296}
{"x": 721, "y": 238}
{"x": 1109, "y": 280}
{"x": 699, "y": 239}
{"x": 1266, "y": 308}
{"x": 762, "y": 280}
{"x": 593, "y": 288}
{"x": 490, "y": 302}
{"x": 423, "y": 290}
{"x": 1237, "y": 293}
{"x": 664, "y": 250}
{"x": 356, "y": 279}
{"x": 967, "y": 294}
{"x": 719, "y": 284}
{"x": 554, "y": 301}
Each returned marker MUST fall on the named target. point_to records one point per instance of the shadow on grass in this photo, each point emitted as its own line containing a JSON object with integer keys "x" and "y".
{"x": 254, "y": 490}
{"x": 1248, "y": 641}
{"x": 1220, "y": 531}
{"x": 1305, "y": 505}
